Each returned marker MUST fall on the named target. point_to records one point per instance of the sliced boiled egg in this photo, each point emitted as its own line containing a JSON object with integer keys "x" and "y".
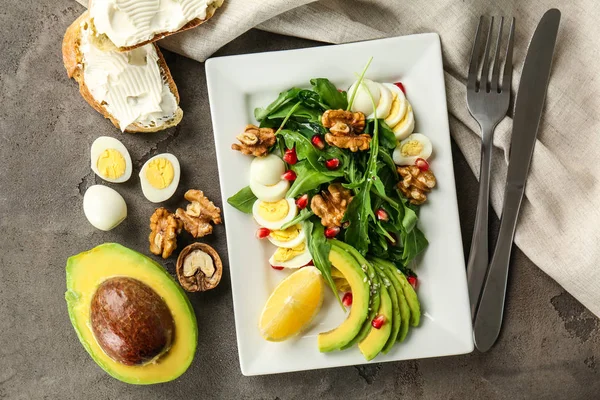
{"x": 160, "y": 177}
{"x": 362, "y": 101}
{"x": 288, "y": 238}
{"x": 265, "y": 178}
{"x": 384, "y": 104}
{"x": 294, "y": 257}
{"x": 110, "y": 160}
{"x": 413, "y": 147}
{"x": 273, "y": 215}
{"x": 399, "y": 105}
{"x": 406, "y": 126}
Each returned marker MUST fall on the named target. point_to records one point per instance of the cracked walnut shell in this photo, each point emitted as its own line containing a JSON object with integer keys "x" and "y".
{"x": 164, "y": 230}
{"x": 345, "y": 130}
{"x": 415, "y": 184}
{"x": 255, "y": 141}
{"x": 199, "y": 268}
{"x": 198, "y": 214}
{"x": 331, "y": 205}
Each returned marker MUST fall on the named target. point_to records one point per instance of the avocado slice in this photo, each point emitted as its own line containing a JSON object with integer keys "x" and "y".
{"x": 402, "y": 304}
{"x": 160, "y": 319}
{"x": 375, "y": 296}
{"x": 408, "y": 290}
{"x": 357, "y": 279}
{"x": 375, "y": 341}
{"x": 396, "y": 318}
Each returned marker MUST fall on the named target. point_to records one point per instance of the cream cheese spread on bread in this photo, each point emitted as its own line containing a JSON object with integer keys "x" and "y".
{"x": 130, "y": 22}
{"x": 128, "y": 84}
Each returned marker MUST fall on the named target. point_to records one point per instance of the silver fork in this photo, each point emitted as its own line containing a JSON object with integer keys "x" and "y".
{"x": 488, "y": 101}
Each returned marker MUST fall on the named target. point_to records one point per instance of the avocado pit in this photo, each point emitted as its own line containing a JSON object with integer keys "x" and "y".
{"x": 131, "y": 322}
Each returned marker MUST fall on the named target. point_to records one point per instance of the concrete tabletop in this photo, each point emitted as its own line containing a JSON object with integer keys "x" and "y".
{"x": 549, "y": 348}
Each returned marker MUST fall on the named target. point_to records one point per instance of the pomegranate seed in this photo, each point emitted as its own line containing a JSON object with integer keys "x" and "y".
{"x": 413, "y": 281}
{"x": 318, "y": 142}
{"x": 330, "y": 233}
{"x": 347, "y": 299}
{"x": 382, "y": 215}
{"x": 302, "y": 201}
{"x": 400, "y": 86}
{"x": 340, "y": 90}
{"x": 332, "y": 163}
{"x": 263, "y": 233}
{"x": 290, "y": 156}
{"x": 422, "y": 164}
{"x": 289, "y": 175}
{"x": 378, "y": 322}
{"x": 277, "y": 268}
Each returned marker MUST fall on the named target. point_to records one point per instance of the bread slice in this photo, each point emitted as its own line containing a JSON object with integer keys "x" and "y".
{"x": 73, "y": 59}
{"x": 104, "y": 42}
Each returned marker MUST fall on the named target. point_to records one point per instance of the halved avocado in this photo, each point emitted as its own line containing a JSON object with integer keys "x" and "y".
{"x": 357, "y": 279}
{"x": 371, "y": 345}
{"x": 402, "y": 304}
{"x": 158, "y": 342}
{"x": 396, "y": 318}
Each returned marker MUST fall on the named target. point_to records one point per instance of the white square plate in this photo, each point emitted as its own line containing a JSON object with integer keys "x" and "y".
{"x": 238, "y": 84}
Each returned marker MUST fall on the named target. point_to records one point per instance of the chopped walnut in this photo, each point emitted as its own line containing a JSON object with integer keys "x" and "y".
{"x": 415, "y": 184}
{"x": 199, "y": 268}
{"x": 345, "y": 130}
{"x": 165, "y": 228}
{"x": 331, "y": 205}
{"x": 255, "y": 141}
{"x": 198, "y": 214}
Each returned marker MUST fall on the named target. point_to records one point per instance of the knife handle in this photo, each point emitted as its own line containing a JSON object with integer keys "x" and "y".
{"x": 488, "y": 319}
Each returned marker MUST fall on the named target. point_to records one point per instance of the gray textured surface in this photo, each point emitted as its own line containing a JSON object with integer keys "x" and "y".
{"x": 548, "y": 349}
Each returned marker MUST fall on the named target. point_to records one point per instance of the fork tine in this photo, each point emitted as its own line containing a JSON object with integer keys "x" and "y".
{"x": 484, "y": 84}
{"x": 508, "y": 67}
{"x": 496, "y": 66}
{"x": 473, "y": 64}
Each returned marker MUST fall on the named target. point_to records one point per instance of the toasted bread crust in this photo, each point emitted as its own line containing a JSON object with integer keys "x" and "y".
{"x": 72, "y": 59}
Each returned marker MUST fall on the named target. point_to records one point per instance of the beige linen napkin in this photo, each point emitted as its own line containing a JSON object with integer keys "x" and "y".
{"x": 559, "y": 223}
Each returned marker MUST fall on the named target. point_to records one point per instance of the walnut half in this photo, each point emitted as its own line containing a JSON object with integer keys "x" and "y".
{"x": 345, "y": 130}
{"x": 198, "y": 214}
{"x": 255, "y": 141}
{"x": 331, "y": 205}
{"x": 415, "y": 184}
{"x": 199, "y": 268}
{"x": 164, "y": 230}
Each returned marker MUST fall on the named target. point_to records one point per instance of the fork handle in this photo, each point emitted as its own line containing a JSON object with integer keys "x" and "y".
{"x": 479, "y": 254}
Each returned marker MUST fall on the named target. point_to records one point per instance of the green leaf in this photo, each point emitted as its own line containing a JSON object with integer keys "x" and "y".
{"x": 299, "y": 112}
{"x": 302, "y": 216}
{"x": 319, "y": 249}
{"x": 283, "y": 98}
{"x": 414, "y": 243}
{"x": 329, "y": 94}
{"x": 306, "y": 151}
{"x": 243, "y": 200}
{"x": 357, "y": 215}
{"x": 307, "y": 179}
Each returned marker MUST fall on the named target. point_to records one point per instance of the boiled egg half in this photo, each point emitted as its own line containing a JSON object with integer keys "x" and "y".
{"x": 273, "y": 215}
{"x": 413, "y": 147}
{"x": 288, "y": 238}
{"x": 110, "y": 160}
{"x": 382, "y": 97}
{"x": 265, "y": 178}
{"x": 160, "y": 177}
{"x": 291, "y": 257}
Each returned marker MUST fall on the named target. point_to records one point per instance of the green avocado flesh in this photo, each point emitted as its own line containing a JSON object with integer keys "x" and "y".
{"x": 150, "y": 334}
{"x": 402, "y": 304}
{"x": 396, "y": 319}
{"x": 357, "y": 279}
{"x": 375, "y": 341}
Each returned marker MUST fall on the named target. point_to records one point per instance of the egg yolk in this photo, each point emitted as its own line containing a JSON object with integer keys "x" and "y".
{"x": 395, "y": 105}
{"x": 286, "y": 235}
{"x": 160, "y": 173}
{"x": 403, "y": 120}
{"x": 285, "y": 254}
{"x": 275, "y": 211}
{"x": 411, "y": 148}
{"x": 111, "y": 164}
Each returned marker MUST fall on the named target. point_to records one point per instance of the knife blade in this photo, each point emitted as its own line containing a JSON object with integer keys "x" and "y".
{"x": 527, "y": 115}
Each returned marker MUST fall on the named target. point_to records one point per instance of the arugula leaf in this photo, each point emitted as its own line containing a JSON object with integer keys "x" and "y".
{"x": 387, "y": 138}
{"x": 306, "y": 151}
{"x": 299, "y": 112}
{"x": 357, "y": 215}
{"x": 302, "y": 216}
{"x": 307, "y": 179}
{"x": 414, "y": 243}
{"x": 329, "y": 94}
{"x": 319, "y": 248}
{"x": 243, "y": 200}
{"x": 312, "y": 99}
{"x": 283, "y": 98}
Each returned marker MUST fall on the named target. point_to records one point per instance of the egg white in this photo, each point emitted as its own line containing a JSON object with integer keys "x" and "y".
{"x": 159, "y": 195}
{"x": 104, "y": 143}
{"x": 384, "y": 104}
{"x": 274, "y": 225}
{"x": 299, "y": 261}
{"x": 104, "y": 207}
{"x": 425, "y": 153}
{"x": 290, "y": 243}
{"x": 269, "y": 193}
{"x": 362, "y": 100}
{"x": 407, "y": 125}
{"x": 267, "y": 170}
{"x": 393, "y": 120}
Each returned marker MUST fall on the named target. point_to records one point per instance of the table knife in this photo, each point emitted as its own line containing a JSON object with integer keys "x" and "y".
{"x": 527, "y": 114}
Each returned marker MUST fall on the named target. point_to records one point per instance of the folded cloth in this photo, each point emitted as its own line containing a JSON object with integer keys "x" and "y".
{"x": 559, "y": 225}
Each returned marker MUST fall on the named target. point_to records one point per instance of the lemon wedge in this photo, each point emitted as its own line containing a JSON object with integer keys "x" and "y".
{"x": 292, "y": 305}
